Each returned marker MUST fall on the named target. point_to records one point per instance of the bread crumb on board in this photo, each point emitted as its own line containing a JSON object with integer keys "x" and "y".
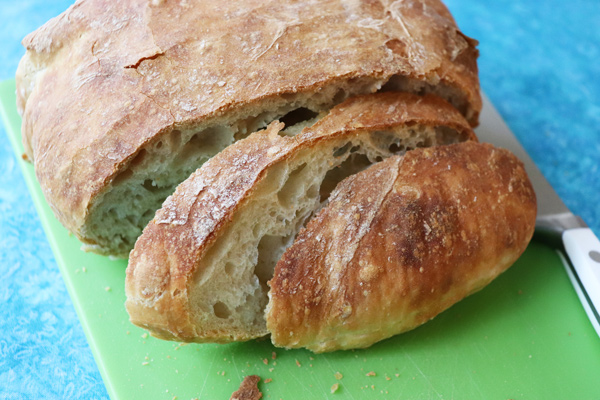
{"x": 248, "y": 389}
{"x": 335, "y": 387}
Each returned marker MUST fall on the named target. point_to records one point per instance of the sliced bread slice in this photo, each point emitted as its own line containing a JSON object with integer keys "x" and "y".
{"x": 399, "y": 243}
{"x": 199, "y": 271}
{"x": 123, "y": 100}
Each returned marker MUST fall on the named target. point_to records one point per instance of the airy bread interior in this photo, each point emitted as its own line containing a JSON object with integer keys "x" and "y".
{"x": 117, "y": 216}
{"x": 245, "y": 253}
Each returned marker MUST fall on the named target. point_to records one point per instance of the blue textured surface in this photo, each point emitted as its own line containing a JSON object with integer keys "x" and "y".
{"x": 539, "y": 65}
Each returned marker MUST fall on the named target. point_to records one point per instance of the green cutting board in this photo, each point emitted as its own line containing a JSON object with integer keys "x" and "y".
{"x": 525, "y": 336}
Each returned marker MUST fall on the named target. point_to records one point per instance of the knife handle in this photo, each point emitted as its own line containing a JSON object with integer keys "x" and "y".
{"x": 583, "y": 249}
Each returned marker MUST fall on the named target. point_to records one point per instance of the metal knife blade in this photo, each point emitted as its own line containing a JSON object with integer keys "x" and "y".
{"x": 555, "y": 224}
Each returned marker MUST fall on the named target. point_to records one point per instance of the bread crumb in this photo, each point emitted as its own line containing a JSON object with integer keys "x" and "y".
{"x": 144, "y": 335}
{"x": 107, "y": 288}
{"x": 372, "y": 373}
{"x": 265, "y": 361}
{"x": 338, "y": 375}
{"x": 268, "y": 380}
{"x": 387, "y": 378}
{"x": 397, "y": 375}
{"x": 84, "y": 269}
{"x": 271, "y": 369}
{"x": 335, "y": 387}
{"x": 248, "y": 389}
{"x": 298, "y": 363}
{"x": 145, "y": 363}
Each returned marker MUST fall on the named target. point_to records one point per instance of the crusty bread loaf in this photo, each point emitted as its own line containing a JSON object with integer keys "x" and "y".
{"x": 122, "y": 100}
{"x": 199, "y": 271}
{"x": 399, "y": 243}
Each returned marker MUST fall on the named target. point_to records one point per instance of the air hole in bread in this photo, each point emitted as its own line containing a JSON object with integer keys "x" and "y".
{"x": 396, "y": 148}
{"x": 298, "y": 115}
{"x": 221, "y": 310}
{"x": 355, "y": 163}
{"x": 291, "y": 190}
{"x": 150, "y": 186}
{"x": 340, "y": 96}
{"x": 270, "y": 250}
{"x": 342, "y": 150}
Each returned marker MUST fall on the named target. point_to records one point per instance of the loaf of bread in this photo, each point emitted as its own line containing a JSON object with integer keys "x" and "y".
{"x": 122, "y": 100}
{"x": 399, "y": 243}
{"x": 199, "y": 271}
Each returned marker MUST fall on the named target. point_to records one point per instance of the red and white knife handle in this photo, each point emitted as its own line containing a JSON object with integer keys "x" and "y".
{"x": 583, "y": 249}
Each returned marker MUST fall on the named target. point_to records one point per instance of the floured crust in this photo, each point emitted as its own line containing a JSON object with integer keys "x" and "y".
{"x": 169, "y": 254}
{"x": 106, "y": 78}
{"x": 399, "y": 243}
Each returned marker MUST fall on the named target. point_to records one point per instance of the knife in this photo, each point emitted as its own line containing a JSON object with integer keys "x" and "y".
{"x": 555, "y": 225}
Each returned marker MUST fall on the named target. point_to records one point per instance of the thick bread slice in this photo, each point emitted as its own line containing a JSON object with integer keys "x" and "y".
{"x": 122, "y": 100}
{"x": 199, "y": 271}
{"x": 399, "y": 243}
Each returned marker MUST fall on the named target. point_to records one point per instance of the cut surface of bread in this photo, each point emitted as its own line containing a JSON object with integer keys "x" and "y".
{"x": 122, "y": 100}
{"x": 199, "y": 271}
{"x": 399, "y": 243}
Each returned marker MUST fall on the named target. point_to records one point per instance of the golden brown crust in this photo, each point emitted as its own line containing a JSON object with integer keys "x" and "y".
{"x": 169, "y": 253}
{"x": 248, "y": 389}
{"x": 106, "y": 78}
{"x": 399, "y": 243}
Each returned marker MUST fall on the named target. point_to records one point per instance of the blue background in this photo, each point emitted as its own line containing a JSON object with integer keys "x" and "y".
{"x": 540, "y": 65}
